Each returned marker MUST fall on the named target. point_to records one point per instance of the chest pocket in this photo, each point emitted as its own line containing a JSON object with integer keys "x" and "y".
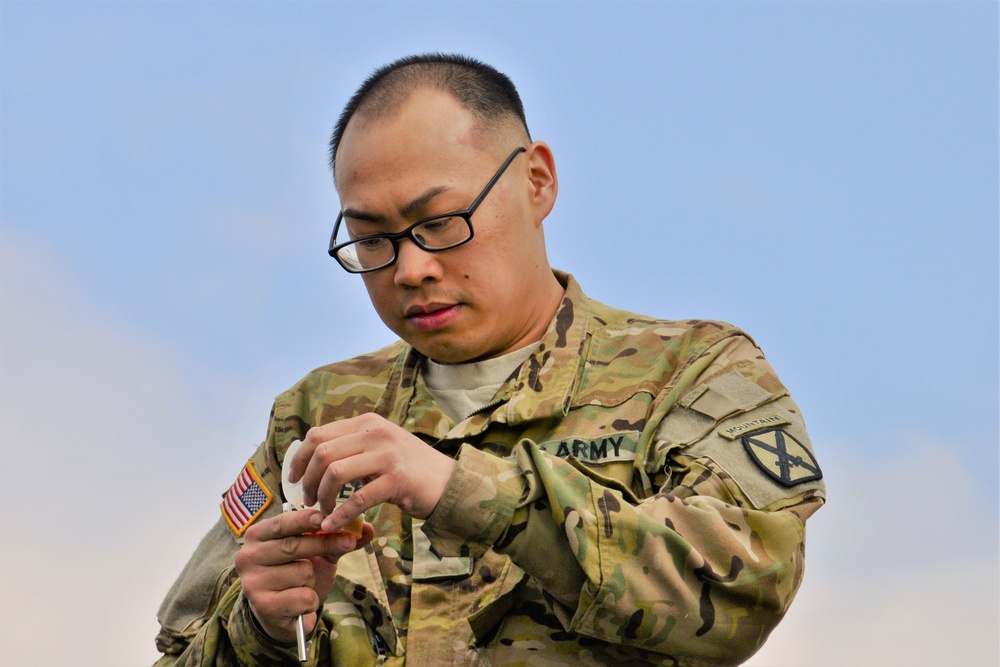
{"x": 358, "y": 582}
{"x": 428, "y": 566}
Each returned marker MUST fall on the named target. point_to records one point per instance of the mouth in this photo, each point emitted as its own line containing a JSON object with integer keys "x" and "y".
{"x": 431, "y": 316}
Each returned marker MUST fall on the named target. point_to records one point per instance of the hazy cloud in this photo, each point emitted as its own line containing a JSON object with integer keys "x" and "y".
{"x": 901, "y": 569}
{"x": 112, "y": 472}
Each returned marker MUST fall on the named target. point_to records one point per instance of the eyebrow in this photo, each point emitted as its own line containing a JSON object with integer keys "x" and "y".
{"x": 405, "y": 211}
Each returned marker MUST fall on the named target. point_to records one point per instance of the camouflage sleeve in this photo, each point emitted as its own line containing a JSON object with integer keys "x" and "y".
{"x": 702, "y": 568}
{"x": 196, "y": 593}
{"x": 252, "y": 645}
{"x": 231, "y": 637}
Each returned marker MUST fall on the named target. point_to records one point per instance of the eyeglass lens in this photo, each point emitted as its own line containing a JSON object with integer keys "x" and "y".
{"x": 367, "y": 254}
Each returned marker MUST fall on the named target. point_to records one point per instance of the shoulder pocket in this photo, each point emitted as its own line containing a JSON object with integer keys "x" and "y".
{"x": 766, "y": 452}
{"x": 193, "y": 597}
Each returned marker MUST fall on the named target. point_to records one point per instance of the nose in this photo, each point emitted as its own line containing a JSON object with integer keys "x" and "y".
{"x": 414, "y": 265}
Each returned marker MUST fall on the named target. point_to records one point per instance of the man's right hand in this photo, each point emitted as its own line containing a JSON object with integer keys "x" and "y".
{"x": 285, "y": 573}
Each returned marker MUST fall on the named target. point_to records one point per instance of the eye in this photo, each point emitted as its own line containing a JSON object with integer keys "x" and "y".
{"x": 371, "y": 244}
{"x": 436, "y": 226}
{"x": 441, "y": 233}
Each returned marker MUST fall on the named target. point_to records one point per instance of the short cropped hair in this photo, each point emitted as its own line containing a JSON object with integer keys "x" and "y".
{"x": 487, "y": 93}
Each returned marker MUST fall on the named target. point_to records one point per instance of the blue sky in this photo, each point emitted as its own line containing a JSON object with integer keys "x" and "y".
{"x": 822, "y": 174}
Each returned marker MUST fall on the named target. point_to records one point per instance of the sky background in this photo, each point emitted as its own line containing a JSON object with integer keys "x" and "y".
{"x": 822, "y": 174}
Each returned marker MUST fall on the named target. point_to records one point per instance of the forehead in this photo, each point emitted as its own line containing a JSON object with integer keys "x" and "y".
{"x": 428, "y": 132}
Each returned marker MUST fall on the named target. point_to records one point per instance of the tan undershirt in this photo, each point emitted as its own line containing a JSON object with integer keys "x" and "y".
{"x": 461, "y": 389}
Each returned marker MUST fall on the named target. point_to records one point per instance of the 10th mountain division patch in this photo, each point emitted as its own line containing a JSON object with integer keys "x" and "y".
{"x": 782, "y": 457}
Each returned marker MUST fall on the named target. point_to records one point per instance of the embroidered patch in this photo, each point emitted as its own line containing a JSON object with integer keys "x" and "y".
{"x": 606, "y": 449}
{"x": 734, "y": 432}
{"x": 782, "y": 457}
{"x": 245, "y": 500}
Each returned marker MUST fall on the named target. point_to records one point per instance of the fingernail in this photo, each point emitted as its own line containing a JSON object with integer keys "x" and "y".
{"x": 316, "y": 520}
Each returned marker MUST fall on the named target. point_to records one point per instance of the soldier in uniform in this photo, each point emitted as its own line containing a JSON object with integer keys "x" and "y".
{"x": 544, "y": 479}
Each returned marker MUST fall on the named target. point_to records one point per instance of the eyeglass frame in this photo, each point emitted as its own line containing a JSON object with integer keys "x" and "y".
{"x": 395, "y": 238}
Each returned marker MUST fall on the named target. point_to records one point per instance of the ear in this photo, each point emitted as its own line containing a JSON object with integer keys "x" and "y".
{"x": 542, "y": 177}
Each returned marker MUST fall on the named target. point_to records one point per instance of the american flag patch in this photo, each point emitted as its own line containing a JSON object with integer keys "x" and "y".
{"x": 245, "y": 500}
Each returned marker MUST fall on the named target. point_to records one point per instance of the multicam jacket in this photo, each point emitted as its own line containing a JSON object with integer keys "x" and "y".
{"x": 636, "y": 493}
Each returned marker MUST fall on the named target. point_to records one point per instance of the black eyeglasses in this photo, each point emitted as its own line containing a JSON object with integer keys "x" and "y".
{"x": 441, "y": 232}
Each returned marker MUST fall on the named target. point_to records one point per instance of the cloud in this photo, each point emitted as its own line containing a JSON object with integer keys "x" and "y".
{"x": 901, "y": 569}
{"x": 113, "y": 470}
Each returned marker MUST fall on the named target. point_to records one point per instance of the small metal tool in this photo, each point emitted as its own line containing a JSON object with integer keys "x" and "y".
{"x": 300, "y": 628}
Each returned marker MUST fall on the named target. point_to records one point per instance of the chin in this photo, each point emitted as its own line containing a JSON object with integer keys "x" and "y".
{"x": 443, "y": 352}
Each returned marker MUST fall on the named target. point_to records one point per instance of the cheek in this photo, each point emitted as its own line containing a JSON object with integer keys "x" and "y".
{"x": 371, "y": 285}
{"x": 508, "y": 243}
{"x": 378, "y": 294}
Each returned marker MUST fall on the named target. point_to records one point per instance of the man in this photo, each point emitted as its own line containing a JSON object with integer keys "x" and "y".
{"x": 545, "y": 480}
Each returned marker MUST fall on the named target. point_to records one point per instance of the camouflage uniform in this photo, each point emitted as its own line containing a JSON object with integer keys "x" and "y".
{"x": 635, "y": 493}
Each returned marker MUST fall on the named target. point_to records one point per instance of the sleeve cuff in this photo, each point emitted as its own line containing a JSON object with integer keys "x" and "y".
{"x": 252, "y": 645}
{"x": 477, "y": 505}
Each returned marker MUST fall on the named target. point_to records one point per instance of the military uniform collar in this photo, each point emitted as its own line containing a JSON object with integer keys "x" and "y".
{"x": 543, "y": 386}
{"x": 546, "y": 382}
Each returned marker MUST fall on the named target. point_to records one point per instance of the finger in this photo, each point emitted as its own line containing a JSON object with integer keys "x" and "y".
{"x": 363, "y": 466}
{"x": 325, "y": 567}
{"x": 328, "y": 462}
{"x": 281, "y": 607}
{"x": 294, "y": 574}
{"x": 284, "y": 525}
{"x": 315, "y": 436}
{"x": 277, "y": 553}
{"x": 325, "y": 572}
{"x": 375, "y": 492}
{"x": 309, "y": 546}
{"x": 281, "y": 549}
{"x": 261, "y": 577}
{"x": 368, "y": 425}
{"x": 298, "y": 463}
{"x": 278, "y": 610}
{"x": 367, "y": 535}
